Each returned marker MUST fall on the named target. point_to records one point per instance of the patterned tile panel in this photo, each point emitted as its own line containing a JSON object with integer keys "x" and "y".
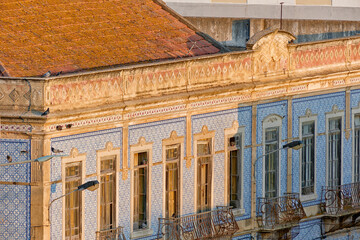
{"x": 87, "y": 143}
{"x": 263, "y": 111}
{"x": 219, "y": 121}
{"x": 309, "y": 230}
{"x": 155, "y": 132}
{"x": 319, "y": 105}
{"x": 15, "y": 199}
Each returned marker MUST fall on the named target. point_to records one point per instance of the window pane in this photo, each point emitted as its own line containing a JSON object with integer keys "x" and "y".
{"x": 357, "y": 149}
{"x": 308, "y": 158}
{"x": 271, "y": 162}
{"x": 204, "y": 169}
{"x": 72, "y": 201}
{"x": 234, "y": 155}
{"x": 140, "y": 190}
{"x": 334, "y": 152}
{"x": 107, "y": 196}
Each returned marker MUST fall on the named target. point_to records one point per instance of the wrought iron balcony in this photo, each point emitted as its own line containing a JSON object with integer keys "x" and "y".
{"x": 216, "y": 224}
{"x": 279, "y": 212}
{"x": 341, "y": 199}
{"x": 111, "y": 234}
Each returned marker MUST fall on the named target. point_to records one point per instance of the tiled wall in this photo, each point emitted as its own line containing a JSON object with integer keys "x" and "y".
{"x": 155, "y": 132}
{"x": 319, "y": 106}
{"x": 263, "y": 111}
{"x": 87, "y": 143}
{"x": 15, "y": 199}
{"x": 219, "y": 121}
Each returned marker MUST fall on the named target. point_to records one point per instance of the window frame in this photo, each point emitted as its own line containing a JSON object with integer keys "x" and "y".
{"x": 271, "y": 121}
{"x": 335, "y": 113}
{"x": 74, "y": 157}
{"x": 204, "y": 134}
{"x": 309, "y": 117}
{"x": 355, "y": 111}
{"x": 228, "y": 133}
{"x": 173, "y": 140}
{"x": 141, "y": 146}
{"x": 108, "y": 151}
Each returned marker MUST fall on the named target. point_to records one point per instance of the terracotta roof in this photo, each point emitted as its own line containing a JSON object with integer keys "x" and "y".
{"x": 37, "y": 36}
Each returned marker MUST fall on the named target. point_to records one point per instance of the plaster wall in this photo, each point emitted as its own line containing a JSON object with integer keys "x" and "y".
{"x": 223, "y": 29}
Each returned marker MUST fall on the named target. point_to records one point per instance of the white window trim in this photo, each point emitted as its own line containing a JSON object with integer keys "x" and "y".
{"x": 335, "y": 112}
{"x": 271, "y": 121}
{"x": 235, "y": 129}
{"x": 174, "y": 139}
{"x": 108, "y": 151}
{"x": 354, "y": 111}
{"x": 74, "y": 157}
{"x": 204, "y": 134}
{"x": 141, "y": 146}
{"x": 309, "y": 117}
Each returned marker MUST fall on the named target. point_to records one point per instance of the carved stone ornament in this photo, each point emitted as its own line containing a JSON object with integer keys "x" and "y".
{"x": 109, "y": 146}
{"x": 235, "y": 125}
{"x": 335, "y": 109}
{"x": 173, "y": 135}
{"x": 142, "y": 141}
{"x": 272, "y": 53}
{"x": 125, "y": 173}
{"x": 308, "y": 112}
{"x": 204, "y": 129}
{"x": 74, "y": 152}
{"x": 272, "y": 118}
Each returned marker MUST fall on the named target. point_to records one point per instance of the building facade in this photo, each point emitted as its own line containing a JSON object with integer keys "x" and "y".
{"x": 175, "y": 139}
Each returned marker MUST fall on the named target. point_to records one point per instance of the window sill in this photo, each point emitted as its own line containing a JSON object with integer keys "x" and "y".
{"x": 238, "y": 212}
{"x": 141, "y": 233}
{"x": 310, "y": 197}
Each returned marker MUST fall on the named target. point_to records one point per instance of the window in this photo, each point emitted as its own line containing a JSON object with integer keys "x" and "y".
{"x": 172, "y": 186}
{"x": 204, "y": 174}
{"x": 308, "y": 158}
{"x": 234, "y": 156}
{"x": 271, "y": 162}
{"x": 108, "y": 193}
{"x": 357, "y": 148}
{"x": 107, "y": 170}
{"x": 73, "y": 201}
{"x": 334, "y": 152}
{"x": 140, "y": 220}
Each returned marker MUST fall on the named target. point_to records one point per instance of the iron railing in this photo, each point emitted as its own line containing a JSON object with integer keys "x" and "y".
{"x": 111, "y": 234}
{"x": 341, "y": 199}
{"x": 216, "y": 224}
{"x": 279, "y": 211}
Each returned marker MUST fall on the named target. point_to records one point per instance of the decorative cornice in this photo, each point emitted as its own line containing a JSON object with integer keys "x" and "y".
{"x": 86, "y": 122}
{"x": 15, "y": 128}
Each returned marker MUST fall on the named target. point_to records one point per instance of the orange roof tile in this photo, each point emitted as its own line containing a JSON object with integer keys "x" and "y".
{"x": 37, "y": 36}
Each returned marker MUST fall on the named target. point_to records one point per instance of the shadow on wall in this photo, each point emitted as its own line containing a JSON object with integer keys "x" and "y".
{"x": 324, "y": 36}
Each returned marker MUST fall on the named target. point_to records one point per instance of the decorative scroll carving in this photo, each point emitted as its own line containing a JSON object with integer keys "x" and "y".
{"x": 109, "y": 146}
{"x": 272, "y": 53}
{"x": 74, "y": 152}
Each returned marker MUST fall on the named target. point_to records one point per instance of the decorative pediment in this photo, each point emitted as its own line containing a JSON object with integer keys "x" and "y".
{"x": 308, "y": 112}
{"x": 271, "y": 51}
{"x": 335, "y": 109}
{"x": 74, "y": 152}
{"x": 272, "y": 119}
{"x": 174, "y": 138}
{"x": 109, "y": 146}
